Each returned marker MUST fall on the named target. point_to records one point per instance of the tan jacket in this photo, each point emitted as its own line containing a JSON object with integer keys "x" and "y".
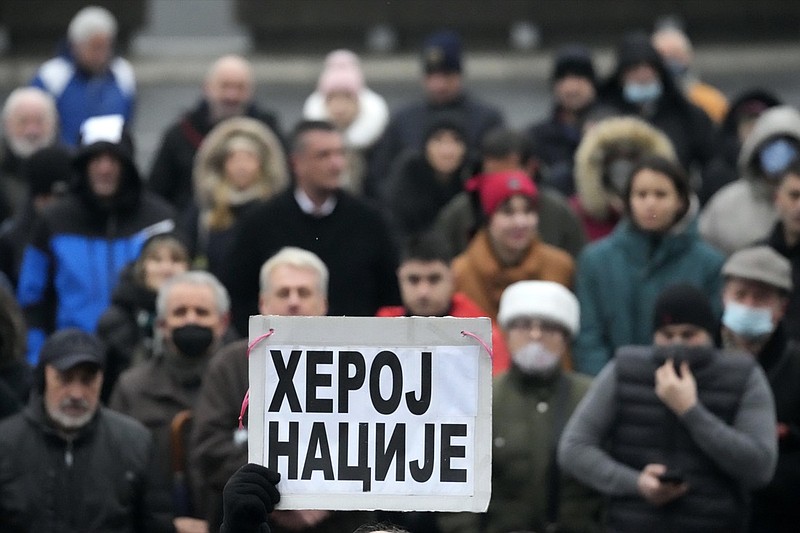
{"x": 480, "y": 275}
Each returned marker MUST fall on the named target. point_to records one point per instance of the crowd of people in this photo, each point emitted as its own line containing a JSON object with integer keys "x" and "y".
{"x": 637, "y": 251}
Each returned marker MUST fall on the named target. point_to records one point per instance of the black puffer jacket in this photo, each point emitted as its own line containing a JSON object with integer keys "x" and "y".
{"x": 97, "y": 481}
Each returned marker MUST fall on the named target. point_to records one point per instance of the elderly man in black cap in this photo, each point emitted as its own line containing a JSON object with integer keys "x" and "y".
{"x": 555, "y": 139}
{"x": 678, "y": 433}
{"x": 758, "y": 281}
{"x": 66, "y": 462}
{"x": 443, "y": 83}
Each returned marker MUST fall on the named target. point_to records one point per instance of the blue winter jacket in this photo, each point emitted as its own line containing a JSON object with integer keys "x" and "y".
{"x": 80, "y": 95}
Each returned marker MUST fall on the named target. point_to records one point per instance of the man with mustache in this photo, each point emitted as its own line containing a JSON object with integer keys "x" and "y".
{"x": 66, "y": 462}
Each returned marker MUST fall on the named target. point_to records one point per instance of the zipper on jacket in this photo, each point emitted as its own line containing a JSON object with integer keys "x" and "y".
{"x": 68, "y": 456}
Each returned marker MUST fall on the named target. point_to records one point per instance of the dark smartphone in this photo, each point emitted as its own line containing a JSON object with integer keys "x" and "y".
{"x": 672, "y": 477}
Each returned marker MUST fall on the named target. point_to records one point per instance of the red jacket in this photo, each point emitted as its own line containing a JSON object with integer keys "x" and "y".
{"x": 463, "y": 307}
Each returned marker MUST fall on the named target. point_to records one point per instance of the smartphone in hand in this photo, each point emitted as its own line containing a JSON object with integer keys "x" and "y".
{"x": 673, "y": 477}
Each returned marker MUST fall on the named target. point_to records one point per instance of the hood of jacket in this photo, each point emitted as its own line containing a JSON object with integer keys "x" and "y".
{"x": 367, "y": 127}
{"x": 130, "y": 186}
{"x": 210, "y": 186}
{"x": 606, "y": 138}
{"x": 783, "y": 121}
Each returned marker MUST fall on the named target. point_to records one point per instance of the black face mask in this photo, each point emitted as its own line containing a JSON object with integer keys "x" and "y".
{"x": 192, "y": 340}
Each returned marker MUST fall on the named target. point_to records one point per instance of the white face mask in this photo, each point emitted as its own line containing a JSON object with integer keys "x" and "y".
{"x": 536, "y": 360}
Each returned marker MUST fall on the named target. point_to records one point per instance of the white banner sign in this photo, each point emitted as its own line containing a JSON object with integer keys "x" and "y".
{"x": 373, "y": 413}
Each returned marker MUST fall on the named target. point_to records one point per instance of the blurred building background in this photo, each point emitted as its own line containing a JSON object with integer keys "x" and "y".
{"x": 739, "y": 44}
{"x": 314, "y": 26}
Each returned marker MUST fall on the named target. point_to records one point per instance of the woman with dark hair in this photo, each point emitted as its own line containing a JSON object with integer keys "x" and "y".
{"x": 15, "y": 374}
{"x": 656, "y": 245}
{"x": 126, "y": 326}
{"x": 421, "y": 183}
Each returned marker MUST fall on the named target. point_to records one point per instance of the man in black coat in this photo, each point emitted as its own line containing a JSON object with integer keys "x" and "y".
{"x": 67, "y": 462}
{"x": 350, "y": 236}
{"x": 758, "y": 281}
{"x": 227, "y": 92}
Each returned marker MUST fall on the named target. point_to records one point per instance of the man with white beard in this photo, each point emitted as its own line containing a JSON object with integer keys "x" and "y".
{"x": 66, "y": 462}
{"x": 30, "y": 123}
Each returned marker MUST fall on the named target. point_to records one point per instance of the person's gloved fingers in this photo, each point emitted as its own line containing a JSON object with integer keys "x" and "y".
{"x": 271, "y": 476}
{"x": 256, "y": 480}
{"x": 258, "y": 486}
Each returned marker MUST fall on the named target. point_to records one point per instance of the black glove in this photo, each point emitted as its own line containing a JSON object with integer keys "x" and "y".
{"x": 248, "y": 497}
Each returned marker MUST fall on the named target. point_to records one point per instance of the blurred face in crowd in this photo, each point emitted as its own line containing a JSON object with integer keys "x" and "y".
{"x": 442, "y": 87}
{"x": 228, "y": 88}
{"x": 94, "y": 54}
{"x": 787, "y": 202}
{"x": 686, "y": 334}
{"x": 342, "y": 108}
{"x": 29, "y": 127}
{"x": 673, "y": 47}
{"x": 513, "y": 226}
{"x": 641, "y": 73}
{"x": 426, "y": 287}
{"x": 756, "y": 295}
{"x": 71, "y": 396}
{"x": 192, "y": 304}
{"x": 524, "y": 330}
{"x": 105, "y": 174}
{"x": 445, "y": 151}
{"x": 319, "y": 162}
{"x": 161, "y": 263}
{"x": 241, "y": 168}
{"x": 654, "y": 201}
{"x": 574, "y": 93}
{"x": 293, "y": 291}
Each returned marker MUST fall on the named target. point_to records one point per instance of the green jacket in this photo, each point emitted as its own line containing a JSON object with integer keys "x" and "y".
{"x": 527, "y": 417}
{"x": 619, "y": 279}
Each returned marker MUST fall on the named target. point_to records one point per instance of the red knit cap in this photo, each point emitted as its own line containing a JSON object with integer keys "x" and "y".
{"x": 494, "y": 189}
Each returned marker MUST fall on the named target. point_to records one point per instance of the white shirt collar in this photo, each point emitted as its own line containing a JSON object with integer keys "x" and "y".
{"x": 310, "y": 208}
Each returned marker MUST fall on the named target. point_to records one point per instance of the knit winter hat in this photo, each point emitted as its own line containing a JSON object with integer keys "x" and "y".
{"x": 684, "y": 304}
{"x": 573, "y": 60}
{"x": 442, "y": 52}
{"x": 760, "y": 263}
{"x": 494, "y": 189}
{"x": 546, "y": 300}
{"x": 48, "y": 171}
{"x": 342, "y": 73}
{"x": 636, "y": 48}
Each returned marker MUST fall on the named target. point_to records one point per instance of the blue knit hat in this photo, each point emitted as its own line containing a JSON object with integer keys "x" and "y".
{"x": 442, "y": 52}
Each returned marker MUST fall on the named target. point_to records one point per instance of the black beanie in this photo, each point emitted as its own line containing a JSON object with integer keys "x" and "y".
{"x": 684, "y": 304}
{"x": 636, "y": 48}
{"x": 576, "y": 60}
{"x": 48, "y": 171}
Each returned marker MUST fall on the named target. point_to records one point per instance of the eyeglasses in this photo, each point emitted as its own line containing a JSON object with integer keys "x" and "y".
{"x": 528, "y": 324}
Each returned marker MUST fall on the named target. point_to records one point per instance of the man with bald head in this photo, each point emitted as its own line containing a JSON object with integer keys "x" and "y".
{"x": 30, "y": 123}
{"x": 228, "y": 91}
{"x": 675, "y": 48}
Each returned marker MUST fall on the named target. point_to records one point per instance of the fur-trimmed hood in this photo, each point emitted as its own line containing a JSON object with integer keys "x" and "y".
{"x": 368, "y": 126}
{"x": 605, "y": 138}
{"x": 210, "y": 160}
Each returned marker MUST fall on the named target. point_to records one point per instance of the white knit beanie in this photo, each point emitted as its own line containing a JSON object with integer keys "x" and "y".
{"x": 546, "y": 300}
